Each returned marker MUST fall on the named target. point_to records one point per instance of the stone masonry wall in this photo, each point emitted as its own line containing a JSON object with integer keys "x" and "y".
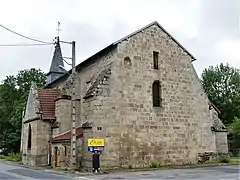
{"x": 26, "y": 153}
{"x": 174, "y": 133}
{"x": 135, "y": 133}
{"x": 221, "y": 143}
{"x": 86, "y": 155}
{"x": 100, "y": 110}
{"x": 63, "y": 115}
{"x": 38, "y": 154}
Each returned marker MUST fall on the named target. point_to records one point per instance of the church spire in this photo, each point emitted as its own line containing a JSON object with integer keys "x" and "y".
{"x": 56, "y": 69}
{"x": 57, "y": 65}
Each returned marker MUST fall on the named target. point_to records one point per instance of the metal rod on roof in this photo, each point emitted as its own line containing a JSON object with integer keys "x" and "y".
{"x": 65, "y": 42}
{"x": 67, "y": 57}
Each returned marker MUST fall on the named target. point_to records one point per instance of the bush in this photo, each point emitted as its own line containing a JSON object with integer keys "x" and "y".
{"x": 154, "y": 165}
{"x": 130, "y": 167}
{"x": 13, "y": 157}
{"x": 224, "y": 160}
{"x": 2, "y": 156}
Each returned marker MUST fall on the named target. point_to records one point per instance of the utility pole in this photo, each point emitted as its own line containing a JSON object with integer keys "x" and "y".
{"x": 73, "y": 99}
{"x": 73, "y": 159}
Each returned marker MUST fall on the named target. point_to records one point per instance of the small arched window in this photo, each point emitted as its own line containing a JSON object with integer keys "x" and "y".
{"x": 127, "y": 61}
{"x": 157, "y": 94}
{"x": 29, "y": 145}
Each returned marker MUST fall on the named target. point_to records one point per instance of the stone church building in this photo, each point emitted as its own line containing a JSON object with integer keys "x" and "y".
{"x": 141, "y": 94}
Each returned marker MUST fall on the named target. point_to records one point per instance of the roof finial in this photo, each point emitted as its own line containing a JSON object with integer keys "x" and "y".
{"x": 58, "y": 29}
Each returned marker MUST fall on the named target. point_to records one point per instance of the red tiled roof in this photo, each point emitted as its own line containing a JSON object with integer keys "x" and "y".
{"x": 47, "y": 99}
{"x": 67, "y": 135}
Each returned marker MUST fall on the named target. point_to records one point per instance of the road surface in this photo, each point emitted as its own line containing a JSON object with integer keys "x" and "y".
{"x": 12, "y": 172}
{"x": 207, "y": 173}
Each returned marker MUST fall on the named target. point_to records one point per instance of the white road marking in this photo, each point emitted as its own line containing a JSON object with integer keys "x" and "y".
{"x": 86, "y": 178}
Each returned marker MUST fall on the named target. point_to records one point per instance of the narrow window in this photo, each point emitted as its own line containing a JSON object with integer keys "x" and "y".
{"x": 65, "y": 150}
{"x": 155, "y": 59}
{"x": 29, "y": 137}
{"x": 156, "y": 94}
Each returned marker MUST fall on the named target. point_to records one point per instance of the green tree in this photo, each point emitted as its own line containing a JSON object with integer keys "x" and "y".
{"x": 13, "y": 96}
{"x": 235, "y": 126}
{"x": 222, "y": 85}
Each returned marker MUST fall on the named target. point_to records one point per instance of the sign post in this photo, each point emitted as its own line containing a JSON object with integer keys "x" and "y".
{"x": 96, "y": 146}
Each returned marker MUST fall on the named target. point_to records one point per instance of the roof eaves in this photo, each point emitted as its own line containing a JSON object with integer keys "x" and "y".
{"x": 66, "y": 75}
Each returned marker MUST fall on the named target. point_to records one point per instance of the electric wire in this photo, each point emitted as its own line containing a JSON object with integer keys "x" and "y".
{"x": 23, "y": 35}
{"x": 67, "y": 62}
{"x": 17, "y": 45}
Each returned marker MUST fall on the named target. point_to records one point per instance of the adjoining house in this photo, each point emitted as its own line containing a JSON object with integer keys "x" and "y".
{"x": 140, "y": 94}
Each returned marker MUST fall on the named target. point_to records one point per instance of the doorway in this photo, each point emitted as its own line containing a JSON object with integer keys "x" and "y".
{"x": 56, "y": 156}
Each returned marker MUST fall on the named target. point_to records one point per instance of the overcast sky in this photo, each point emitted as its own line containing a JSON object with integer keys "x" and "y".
{"x": 209, "y": 29}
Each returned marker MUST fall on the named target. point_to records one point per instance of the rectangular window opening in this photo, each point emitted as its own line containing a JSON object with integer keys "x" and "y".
{"x": 155, "y": 59}
{"x": 99, "y": 128}
{"x": 65, "y": 150}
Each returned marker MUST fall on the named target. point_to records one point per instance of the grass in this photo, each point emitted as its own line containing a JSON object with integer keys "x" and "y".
{"x": 12, "y": 157}
{"x": 235, "y": 160}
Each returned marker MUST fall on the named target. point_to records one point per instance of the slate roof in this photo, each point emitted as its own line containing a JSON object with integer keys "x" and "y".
{"x": 93, "y": 58}
{"x": 67, "y": 135}
{"x": 55, "y": 71}
{"x": 47, "y": 99}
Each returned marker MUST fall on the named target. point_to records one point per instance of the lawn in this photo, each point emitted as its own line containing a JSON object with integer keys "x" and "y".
{"x": 235, "y": 160}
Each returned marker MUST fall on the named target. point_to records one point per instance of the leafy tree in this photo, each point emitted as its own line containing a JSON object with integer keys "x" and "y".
{"x": 222, "y": 85}
{"x": 235, "y": 126}
{"x": 13, "y": 96}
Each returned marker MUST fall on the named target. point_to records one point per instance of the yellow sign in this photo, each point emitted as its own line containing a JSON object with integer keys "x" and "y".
{"x": 96, "y": 142}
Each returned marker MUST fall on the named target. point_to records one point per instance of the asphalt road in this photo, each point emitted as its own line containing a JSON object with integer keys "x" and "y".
{"x": 12, "y": 172}
{"x": 208, "y": 173}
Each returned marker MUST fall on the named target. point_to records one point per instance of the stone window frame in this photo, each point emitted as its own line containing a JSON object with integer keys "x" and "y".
{"x": 157, "y": 94}
{"x": 29, "y": 142}
{"x": 155, "y": 60}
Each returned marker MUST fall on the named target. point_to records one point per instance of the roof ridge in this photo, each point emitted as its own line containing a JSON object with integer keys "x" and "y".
{"x": 164, "y": 30}
{"x": 114, "y": 44}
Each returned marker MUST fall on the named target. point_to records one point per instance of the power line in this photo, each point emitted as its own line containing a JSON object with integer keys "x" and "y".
{"x": 15, "y": 45}
{"x": 67, "y": 62}
{"x": 23, "y": 35}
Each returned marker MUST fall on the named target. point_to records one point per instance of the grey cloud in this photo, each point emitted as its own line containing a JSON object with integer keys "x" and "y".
{"x": 220, "y": 17}
{"x": 217, "y": 20}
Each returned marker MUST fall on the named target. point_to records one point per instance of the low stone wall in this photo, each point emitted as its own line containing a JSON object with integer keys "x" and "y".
{"x": 35, "y": 160}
